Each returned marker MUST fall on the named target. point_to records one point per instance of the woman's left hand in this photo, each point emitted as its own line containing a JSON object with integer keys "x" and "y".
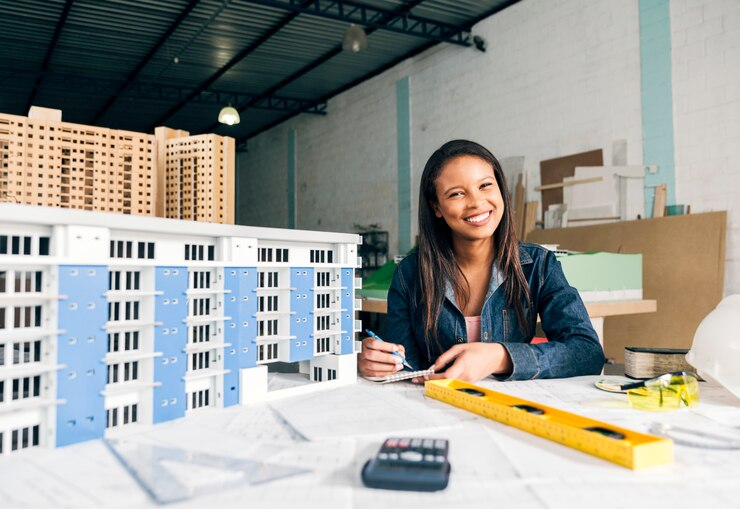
{"x": 472, "y": 362}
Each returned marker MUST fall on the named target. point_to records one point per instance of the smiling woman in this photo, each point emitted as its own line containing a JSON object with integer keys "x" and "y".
{"x": 468, "y": 300}
{"x": 468, "y": 198}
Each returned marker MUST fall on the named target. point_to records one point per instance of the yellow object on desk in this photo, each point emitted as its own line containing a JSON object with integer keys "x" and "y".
{"x": 619, "y": 445}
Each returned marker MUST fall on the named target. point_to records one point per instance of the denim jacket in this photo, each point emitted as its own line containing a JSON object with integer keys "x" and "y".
{"x": 572, "y": 349}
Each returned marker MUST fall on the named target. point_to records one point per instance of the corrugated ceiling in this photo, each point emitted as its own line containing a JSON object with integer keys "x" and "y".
{"x": 134, "y": 64}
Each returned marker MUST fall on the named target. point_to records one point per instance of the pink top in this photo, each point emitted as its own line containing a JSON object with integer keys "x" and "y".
{"x": 473, "y": 326}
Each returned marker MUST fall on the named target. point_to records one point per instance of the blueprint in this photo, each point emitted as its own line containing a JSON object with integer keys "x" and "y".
{"x": 324, "y": 438}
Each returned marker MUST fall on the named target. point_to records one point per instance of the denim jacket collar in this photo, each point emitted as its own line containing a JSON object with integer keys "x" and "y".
{"x": 524, "y": 257}
{"x": 497, "y": 279}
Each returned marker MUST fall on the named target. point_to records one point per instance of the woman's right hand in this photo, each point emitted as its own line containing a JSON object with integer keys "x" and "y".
{"x": 376, "y": 358}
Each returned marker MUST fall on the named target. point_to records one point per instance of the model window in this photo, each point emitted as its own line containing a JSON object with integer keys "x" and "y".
{"x": 322, "y": 278}
{"x": 267, "y": 352}
{"x": 199, "y": 399}
{"x": 268, "y": 280}
{"x": 200, "y": 333}
{"x": 199, "y": 252}
{"x": 123, "y": 341}
{"x": 120, "y": 416}
{"x": 200, "y": 360}
{"x": 123, "y": 372}
{"x": 26, "y": 387}
{"x": 26, "y": 352}
{"x": 24, "y": 438}
{"x": 23, "y": 317}
{"x": 201, "y": 307}
{"x": 201, "y": 279}
{"x": 323, "y": 345}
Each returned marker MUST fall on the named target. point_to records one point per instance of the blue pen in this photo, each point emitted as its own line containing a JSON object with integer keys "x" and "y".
{"x": 375, "y": 336}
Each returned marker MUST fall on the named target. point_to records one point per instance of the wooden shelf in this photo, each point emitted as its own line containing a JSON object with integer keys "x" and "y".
{"x": 595, "y": 309}
{"x": 375, "y": 305}
{"x": 625, "y": 307}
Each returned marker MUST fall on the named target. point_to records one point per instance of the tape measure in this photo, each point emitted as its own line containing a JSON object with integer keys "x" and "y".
{"x": 619, "y": 445}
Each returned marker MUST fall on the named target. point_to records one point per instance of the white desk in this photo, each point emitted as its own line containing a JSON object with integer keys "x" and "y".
{"x": 492, "y": 465}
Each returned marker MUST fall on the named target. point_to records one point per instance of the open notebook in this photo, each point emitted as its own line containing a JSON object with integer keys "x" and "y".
{"x": 401, "y": 375}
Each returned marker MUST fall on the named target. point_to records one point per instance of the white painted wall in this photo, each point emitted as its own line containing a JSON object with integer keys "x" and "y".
{"x": 346, "y": 164}
{"x": 559, "y": 77}
{"x": 346, "y": 170}
{"x": 706, "y": 114}
{"x": 262, "y": 180}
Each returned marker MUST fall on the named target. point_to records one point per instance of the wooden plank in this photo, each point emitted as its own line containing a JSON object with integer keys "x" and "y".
{"x": 605, "y": 218}
{"x": 555, "y": 170}
{"x": 627, "y": 307}
{"x": 375, "y": 305}
{"x": 519, "y": 196}
{"x": 686, "y": 283}
{"x": 530, "y": 218}
{"x": 595, "y": 309}
{"x": 659, "y": 202}
{"x": 569, "y": 183}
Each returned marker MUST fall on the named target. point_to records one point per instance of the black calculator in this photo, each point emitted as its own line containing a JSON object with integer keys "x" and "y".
{"x": 412, "y": 464}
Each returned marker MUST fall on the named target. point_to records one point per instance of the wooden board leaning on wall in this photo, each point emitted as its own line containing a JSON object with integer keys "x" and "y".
{"x": 683, "y": 260}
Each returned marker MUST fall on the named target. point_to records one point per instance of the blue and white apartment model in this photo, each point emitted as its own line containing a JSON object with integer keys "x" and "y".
{"x": 108, "y": 320}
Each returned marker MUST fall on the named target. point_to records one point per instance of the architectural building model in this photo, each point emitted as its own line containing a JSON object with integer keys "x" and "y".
{"x": 44, "y": 161}
{"x": 109, "y": 320}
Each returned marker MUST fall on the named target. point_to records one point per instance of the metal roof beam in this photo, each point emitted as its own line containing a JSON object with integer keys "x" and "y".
{"x": 269, "y": 92}
{"x": 500, "y": 7}
{"x": 241, "y": 143}
{"x": 374, "y": 17}
{"x": 143, "y": 63}
{"x": 313, "y": 65}
{"x": 223, "y": 70}
{"x": 50, "y": 50}
{"x": 316, "y": 63}
{"x": 69, "y": 83}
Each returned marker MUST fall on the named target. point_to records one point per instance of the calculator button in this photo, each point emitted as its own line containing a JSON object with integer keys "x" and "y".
{"x": 391, "y": 442}
{"x": 416, "y": 443}
{"x": 429, "y": 457}
{"x": 440, "y": 444}
{"x": 411, "y": 456}
{"x": 382, "y": 456}
{"x": 428, "y": 443}
{"x": 393, "y": 456}
{"x": 403, "y": 443}
{"x": 440, "y": 459}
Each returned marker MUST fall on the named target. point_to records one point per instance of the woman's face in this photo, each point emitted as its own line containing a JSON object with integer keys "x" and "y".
{"x": 468, "y": 198}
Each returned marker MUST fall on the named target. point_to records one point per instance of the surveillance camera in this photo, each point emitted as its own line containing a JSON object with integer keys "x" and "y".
{"x": 480, "y": 43}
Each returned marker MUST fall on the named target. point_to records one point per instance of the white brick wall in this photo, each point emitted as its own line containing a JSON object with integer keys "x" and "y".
{"x": 262, "y": 180}
{"x": 346, "y": 170}
{"x": 559, "y": 77}
{"x": 346, "y": 164}
{"x": 706, "y": 114}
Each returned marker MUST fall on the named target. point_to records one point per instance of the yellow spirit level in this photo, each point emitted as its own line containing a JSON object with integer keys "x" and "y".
{"x": 619, "y": 445}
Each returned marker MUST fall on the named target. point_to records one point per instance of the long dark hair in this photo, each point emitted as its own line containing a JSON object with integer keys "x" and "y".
{"x": 437, "y": 262}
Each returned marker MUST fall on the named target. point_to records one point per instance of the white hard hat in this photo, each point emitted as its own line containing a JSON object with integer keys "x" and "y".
{"x": 715, "y": 352}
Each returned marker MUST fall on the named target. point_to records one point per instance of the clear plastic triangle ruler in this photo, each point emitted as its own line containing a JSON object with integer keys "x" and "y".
{"x": 169, "y": 474}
